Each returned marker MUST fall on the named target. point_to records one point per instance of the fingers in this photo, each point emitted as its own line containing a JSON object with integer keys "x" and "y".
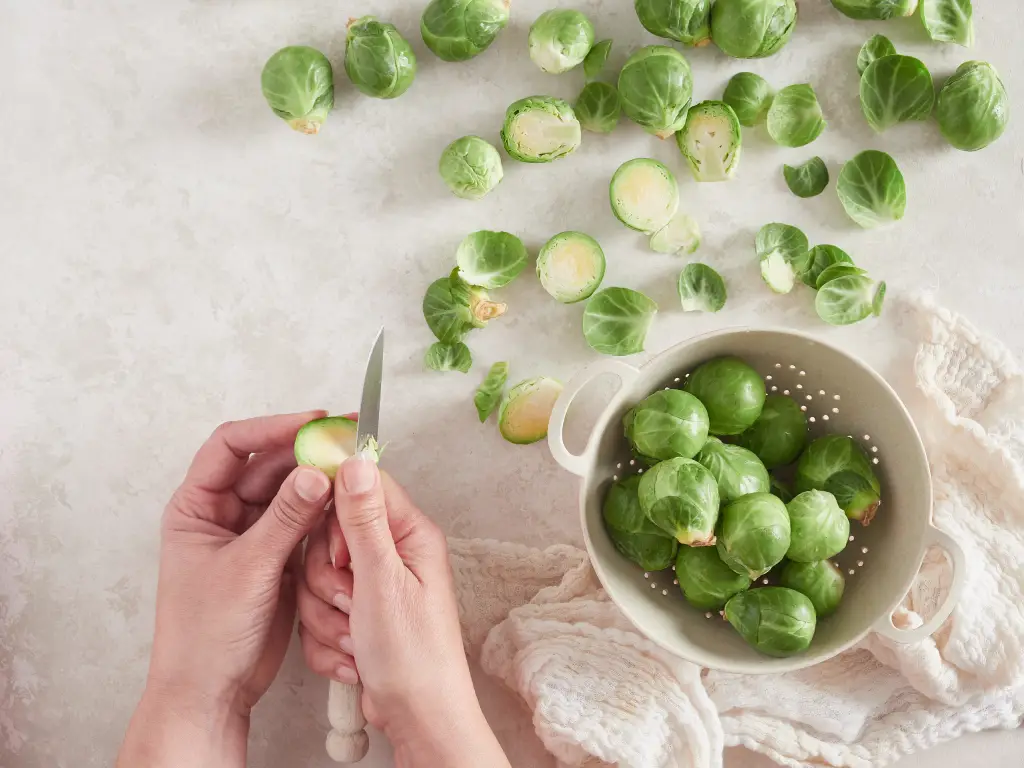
{"x": 263, "y": 474}
{"x": 294, "y": 511}
{"x": 329, "y": 584}
{"x": 327, "y": 661}
{"x": 363, "y": 516}
{"x": 221, "y": 459}
{"x": 337, "y": 547}
{"x": 419, "y": 542}
{"x": 325, "y": 622}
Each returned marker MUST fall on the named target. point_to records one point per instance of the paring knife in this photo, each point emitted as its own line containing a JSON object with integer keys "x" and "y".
{"x": 347, "y": 742}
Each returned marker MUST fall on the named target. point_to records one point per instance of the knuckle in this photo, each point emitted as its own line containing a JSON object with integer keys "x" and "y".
{"x": 289, "y": 513}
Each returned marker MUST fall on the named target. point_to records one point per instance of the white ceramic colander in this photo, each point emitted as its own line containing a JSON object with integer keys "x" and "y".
{"x": 842, "y": 395}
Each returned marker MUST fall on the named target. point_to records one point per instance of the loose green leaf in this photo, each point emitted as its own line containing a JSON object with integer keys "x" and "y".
{"x": 596, "y": 59}
{"x": 973, "y": 107}
{"x": 895, "y": 89}
{"x": 488, "y": 394}
{"x": 837, "y": 270}
{"x": 750, "y": 96}
{"x": 616, "y": 321}
{"x": 598, "y": 108}
{"x": 948, "y": 21}
{"x": 701, "y": 289}
{"x": 448, "y": 357}
{"x": 448, "y": 319}
{"x": 680, "y": 235}
{"x": 783, "y": 253}
{"x": 807, "y": 180}
{"x": 821, "y": 258}
{"x": 871, "y": 189}
{"x": 848, "y": 300}
{"x": 490, "y": 259}
{"x": 794, "y": 118}
{"x": 687, "y": 21}
{"x": 876, "y": 47}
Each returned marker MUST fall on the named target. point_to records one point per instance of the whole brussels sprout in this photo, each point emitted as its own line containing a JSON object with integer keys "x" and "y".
{"x": 973, "y": 107}
{"x": 866, "y": 10}
{"x": 736, "y": 470}
{"x": 560, "y": 39}
{"x": 779, "y": 434}
{"x": 457, "y": 30}
{"x": 821, "y": 582}
{"x": 687, "y": 21}
{"x": 818, "y": 527}
{"x": 655, "y": 88}
{"x": 707, "y": 583}
{"x": 828, "y": 456}
{"x": 539, "y": 129}
{"x": 750, "y": 97}
{"x": 681, "y": 497}
{"x": 666, "y": 425}
{"x": 731, "y": 390}
{"x": 378, "y": 60}
{"x": 754, "y": 535}
{"x": 855, "y": 495}
{"x": 748, "y": 29}
{"x": 632, "y": 534}
{"x": 298, "y": 84}
{"x": 775, "y": 620}
{"x": 471, "y": 167}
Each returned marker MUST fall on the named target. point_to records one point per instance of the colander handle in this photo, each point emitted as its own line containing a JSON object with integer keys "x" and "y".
{"x": 959, "y": 559}
{"x": 580, "y": 464}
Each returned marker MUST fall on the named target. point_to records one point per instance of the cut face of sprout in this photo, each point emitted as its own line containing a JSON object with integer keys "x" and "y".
{"x": 571, "y": 266}
{"x": 644, "y": 194}
{"x": 524, "y": 413}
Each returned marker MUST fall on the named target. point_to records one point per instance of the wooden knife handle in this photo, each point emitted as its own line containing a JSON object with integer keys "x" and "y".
{"x": 347, "y": 742}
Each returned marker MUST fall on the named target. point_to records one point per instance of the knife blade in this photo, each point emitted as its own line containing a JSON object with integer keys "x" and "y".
{"x": 369, "y": 406}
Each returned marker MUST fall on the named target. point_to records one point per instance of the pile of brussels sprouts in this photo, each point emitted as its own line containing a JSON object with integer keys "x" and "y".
{"x": 715, "y": 502}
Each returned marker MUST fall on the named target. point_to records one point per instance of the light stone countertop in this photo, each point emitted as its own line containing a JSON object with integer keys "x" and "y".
{"x": 174, "y": 256}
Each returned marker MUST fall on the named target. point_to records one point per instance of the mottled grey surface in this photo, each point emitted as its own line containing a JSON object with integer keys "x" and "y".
{"x": 173, "y": 256}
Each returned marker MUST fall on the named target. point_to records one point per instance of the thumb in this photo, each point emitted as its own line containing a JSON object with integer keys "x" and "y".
{"x": 363, "y": 514}
{"x": 297, "y": 508}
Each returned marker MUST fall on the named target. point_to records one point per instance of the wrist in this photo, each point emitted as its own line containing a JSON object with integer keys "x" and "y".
{"x": 459, "y": 738}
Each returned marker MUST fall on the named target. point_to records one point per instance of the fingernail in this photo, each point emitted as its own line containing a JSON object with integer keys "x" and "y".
{"x": 346, "y": 644}
{"x": 346, "y": 675}
{"x": 311, "y": 484}
{"x": 332, "y": 545}
{"x": 359, "y": 474}
{"x": 343, "y": 602}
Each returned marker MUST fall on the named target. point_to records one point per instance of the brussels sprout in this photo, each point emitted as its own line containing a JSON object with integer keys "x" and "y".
{"x": 781, "y": 490}
{"x": 849, "y": 299}
{"x": 820, "y": 258}
{"x": 326, "y": 443}
{"x": 488, "y": 394}
{"x": 616, "y": 320}
{"x": 711, "y": 140}
{"x": 687, "y": 21}
{"x": 808, "y": 179}
{"x": 378, "y": 60}
{"x": 948, "y": 21}
{"x": 835, "y": 271}
{"x": 570, "y": 266}
{"x": 864, "y": 10}
{"x": 736, "y": 470}
{"x": 731, "y": 390}
{"x": 298, "y": 84}
{"x": 560, "y": 39}
{"x": 666, "y": 425}
{"x": 644, "y": 194}
{"x": 701, "y": 289}
{"x": 598, "y": 108}
{"x": 828, "y": 456}
{"x": 973, "y": 108}
{"x": 680, "y": 235}
{"x": 539, "y": 129}
{"x": 855, "y": 495}
{"x": 448, "y": 357}
{"x": 471, "y": 167}
{"x": 818, "y": 527}
{"x": 526, "y": 410}
{"x": 681, "y": 497}
{"x": 490, "y": 259}
{"x": 632, "y": 534}
{"x": 748, "y": 29}
{"x": 895, "y": 89}
{"x": 871, "y": 189}
{"x": 875, "y": 48}
{"x": 707, "y": 583}
{"x": 457, "y": 30}
{"x": 775, "y": 620}
{"x": 655, "y": 87}
{"x": 754, "y": 534}
{"x": 779, "y": 434}
{"x": 794, "y": 118}
{"x": 782, "y": 251}
{"x": 452, "y": 308}
{"x": 596, "y": 59}
{"x": 750, "y": 96}
{"x": 821, "y": 582}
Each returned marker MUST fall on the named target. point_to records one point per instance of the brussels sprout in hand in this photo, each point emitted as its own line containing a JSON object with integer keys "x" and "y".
{"x": 707, "y": 583}
{"x": 895, "y": 89}
{"x": 457, "y": 30}
{"x": 644, "y": 194}
{"x": 866, "y": 10}
{"x": 748, "y": 29}
{"x": 655, "y": 88}
{"x": 632, "y": 534}
{"x": 526, "y": 409}
{"x": 452, "y": 308}
{"x": 667, "y": 425}
{"x": 571, "y": 266}
{"x": 750, "y": 96}
{"x": 680, "y": 235}
{"x": 808, "y": 179}
{"x": 818, "y": 527}
{"x": 775, "y": 620}
{"x": 829, "y": 455}
{"x": 731, "y": 390}
{"x": 855, "y": 494}
{"x": 598, "y": 108}
{"x": 701, "y": 289}
{"x": 736, "y": 470}
{"x": 326, "y": 443}
{"x": 779, "y": 434}
{"x": 821, "y": 582}
{"x": 711, "y": 141}
{"x": 794, "y": 118}
{"x": 875, "y": 48}
{"x": 820, "y": 258}
{"x": 973, "y": 107}
{"x": 378, "y": 60}
{"x": 782, "y": 251}
{"x": 871, "y": 189}
{"x": 490, "y": 259}
{"x": 298, "y": 84}
{"x": 471, "y": 167}
{"x": 849, "y": 299}
{"x": 596, "y": 59}
{"x": 754, "y": 534}
{"x": 948, "y": 21}
{"x": 560, "y": 39}
{"x": 448, "y": 357}
{"x": 489, "y": 393}
{"x": 616, "y": 321}
{"x": 681, "y": 497}
{"x": 686, "y": 21}
{"x": 539, "y": 129}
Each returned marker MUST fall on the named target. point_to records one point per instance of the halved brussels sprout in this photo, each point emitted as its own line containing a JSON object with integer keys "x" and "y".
{"x": 736, "y": 470}
{"x": 731, "y": 390}
{"x": 808, "y": 179}
{"x": 595, "y": 60}
{"x": 452, "y": 308}
{"x": 794, "y": 118}
{"x": 948, "y": 21}
{"x": 632, "y": 534}
{"x": 836, "y": 271}
{"x": 687, "y": 21}
{"x": 775, "y": 620}
{"x": 747, "y": 29}
{"x": 526, "y": 410}
{"x": 457, "y": 30}
{"x": 855, "y": 494}
{"x": 973, "y": 107}
{"x": 701, "y": 289}
{"x": 821, "y": 582}
{"x": 871, "y": 189}
{"x": 471, "y": 167}
{"x": 489, "y": 394}
{"x": 655, "y": 88}
{"x": 782, "y": 251}
{"x": 298, "y": 84}
{"x": 448, "y": 357}
{"x": 490, "y": 259}
{"x": 539, "y": 129}
{"x": 750, "y": 96}
{"x": 779, "y": 434}
{"x": 571, "y": 266}
{"x": 680, "y": 235}
{"x": 681, "y": 497}
{"x": 875, "y": 48}
{"x": 560, "y": 39}
{"x": 644, "y": 194}
{"x": 707, "y": 583}
{"x": 666, "y": 425}
{"x": 754, "y": 534}
{"x": 598, "y": 108}
{"x": 326, "y": 443}
{"x": 850, "y": 299}
{"x": 616, "y": 320}
{"x": 711, "y": 141}
{"x": 895, "y": 89}
{"x": 828, "y": 456}
{"x": 378, "y": 60}
{"x": 865, "y": 10}
{"x": 818, "y": 527}
{"x": 821, "y": 257}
